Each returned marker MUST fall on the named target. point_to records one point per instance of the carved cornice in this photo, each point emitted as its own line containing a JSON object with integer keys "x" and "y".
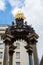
{"x": 33, "y": 35}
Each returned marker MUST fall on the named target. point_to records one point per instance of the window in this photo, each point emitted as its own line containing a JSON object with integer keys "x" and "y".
{"x": 1, "y": 45}
{"x": 18, "y": 55}
{"x": 17, "y": 63}
{"x": 1, "y": 54}
{"x": 18, "y": 45}
{"x": 0, "y": 63}
{"x": 1, "y": 38}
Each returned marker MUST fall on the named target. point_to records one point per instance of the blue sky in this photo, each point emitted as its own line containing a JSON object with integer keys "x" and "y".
{"x": 32, "y": 9}
{"x": 6, "y": 7}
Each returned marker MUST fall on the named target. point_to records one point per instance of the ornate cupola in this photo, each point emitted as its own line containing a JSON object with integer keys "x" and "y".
{"x": 19, "y": 17}
{"x": 17, "y": 32}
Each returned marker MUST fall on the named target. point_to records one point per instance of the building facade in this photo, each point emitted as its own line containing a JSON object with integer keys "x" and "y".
{"x": 18, "y": 43}
{"x": 20, "y": 56}
{"x": 2, "y": 45}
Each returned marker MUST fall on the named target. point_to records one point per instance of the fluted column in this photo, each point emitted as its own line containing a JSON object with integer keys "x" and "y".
{"x": 11, "y": 51}
{"x": 35, "y": 55}
{"x": 29, "y": 50}
{"x": 6, "y": 54}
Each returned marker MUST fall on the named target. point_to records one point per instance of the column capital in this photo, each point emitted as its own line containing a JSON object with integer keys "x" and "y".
{"x": 11, "y": 49}
{"x": 29, "y": 49}
{"x": 6, "y": 42}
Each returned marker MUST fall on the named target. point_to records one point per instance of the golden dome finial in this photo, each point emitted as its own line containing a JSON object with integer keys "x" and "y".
{"x": 19, "y": 15}
{"x": 19, "y": 11}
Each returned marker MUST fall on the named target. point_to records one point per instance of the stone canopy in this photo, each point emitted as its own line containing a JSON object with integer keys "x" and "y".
{"x": 20, "y": 31}
{"x": 23, "y": 31}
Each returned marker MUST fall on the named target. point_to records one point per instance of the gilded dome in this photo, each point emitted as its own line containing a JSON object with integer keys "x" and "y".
{"x": 19, "y": 15}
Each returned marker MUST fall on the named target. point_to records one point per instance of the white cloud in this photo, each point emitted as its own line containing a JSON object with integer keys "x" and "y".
{"x": 15, "y": 10}
{"x": 16, "y": 3}
{"x": 2, "y": 5}
{"x": 33, "y": 11}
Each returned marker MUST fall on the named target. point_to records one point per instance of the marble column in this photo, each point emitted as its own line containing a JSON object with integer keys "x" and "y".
{"x": 11, "y": 52}
{"x": 30, "y": 59}
{"x": 11, "y": 59}
{"x": 29, "y": 50}
{"x": 35, "y": 55}
{"x": 6, "y": 54}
